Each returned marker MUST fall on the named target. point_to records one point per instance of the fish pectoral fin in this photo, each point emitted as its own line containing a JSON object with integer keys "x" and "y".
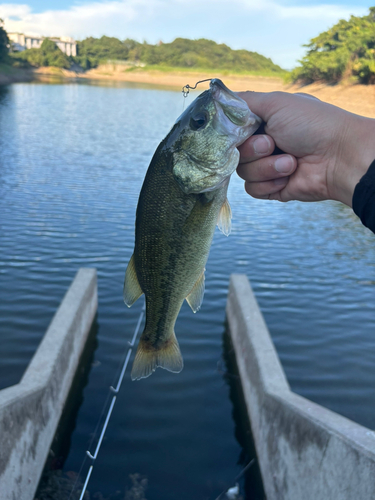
{"x": 148, "y": 358}
{"x": 195, "y": 297}
{"x": 132, "y": 288}
{"x": 224, "y": 222}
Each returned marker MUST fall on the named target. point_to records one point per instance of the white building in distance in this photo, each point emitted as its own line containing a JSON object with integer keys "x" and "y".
{"x": 20, "y": 42}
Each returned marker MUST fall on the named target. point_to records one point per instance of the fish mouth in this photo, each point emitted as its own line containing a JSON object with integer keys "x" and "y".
{"x": 233, "y": 114}
{"x": 216, "y": 82}
{"x": 233, "y": 106}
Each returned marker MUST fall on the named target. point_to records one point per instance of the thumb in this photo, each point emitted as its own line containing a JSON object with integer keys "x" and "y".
{"x": 258, "y": 102}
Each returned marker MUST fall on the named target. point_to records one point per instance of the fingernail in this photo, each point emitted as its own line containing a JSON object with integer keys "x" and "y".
{"x": 261, "y": 145}
{"x": 284, "y": 165}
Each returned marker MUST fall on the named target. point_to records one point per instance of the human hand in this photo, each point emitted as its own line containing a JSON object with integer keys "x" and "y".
{"x": 327, "y": 150}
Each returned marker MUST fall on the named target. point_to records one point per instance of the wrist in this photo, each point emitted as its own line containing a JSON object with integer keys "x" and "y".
{"x": 357, "y": 151}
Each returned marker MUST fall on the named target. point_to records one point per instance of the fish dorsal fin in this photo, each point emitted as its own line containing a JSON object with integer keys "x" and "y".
{"x": 132, "y": 288}
{"x": 195, "y": 297}
{"x": 224, "y": 222}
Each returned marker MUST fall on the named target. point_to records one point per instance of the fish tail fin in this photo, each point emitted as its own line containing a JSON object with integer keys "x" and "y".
{"x": 148, "y": 358}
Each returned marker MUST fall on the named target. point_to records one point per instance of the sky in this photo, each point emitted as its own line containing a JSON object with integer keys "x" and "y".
{"x": 274, "y": 28}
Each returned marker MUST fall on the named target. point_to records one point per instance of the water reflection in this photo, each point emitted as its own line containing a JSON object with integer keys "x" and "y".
{"x": 102, "y": 82}
{"x": 4, "y": 92}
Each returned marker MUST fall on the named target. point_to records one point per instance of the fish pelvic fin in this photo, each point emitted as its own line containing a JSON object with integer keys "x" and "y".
{"x": 224, "y": 222}
{"x": 195, "y": 297}
{"x": 132, "y": 288}
{"x": 148, "y": 358}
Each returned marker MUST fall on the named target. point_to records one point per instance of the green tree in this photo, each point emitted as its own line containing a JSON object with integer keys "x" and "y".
{"x": 205, "y": 54}
{"x": 92, "y": 51}
{"x": 347, "y": 50}
{"x": 4, "y": 42}
{"x": 48, "y": 55}
{"x": 182, "y": 52}
{"x": 53, "y": 56}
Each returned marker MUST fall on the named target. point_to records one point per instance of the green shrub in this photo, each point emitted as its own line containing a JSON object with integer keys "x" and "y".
{"x": 3, "y": 43}
{"x": 92, "y": 51}
{"x": 345, "y": 51}
{"x": 48, "y": 55}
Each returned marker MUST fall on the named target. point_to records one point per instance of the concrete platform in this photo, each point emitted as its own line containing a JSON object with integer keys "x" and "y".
{"x": 305, "y": 451}
{"x": 30, "y": 410}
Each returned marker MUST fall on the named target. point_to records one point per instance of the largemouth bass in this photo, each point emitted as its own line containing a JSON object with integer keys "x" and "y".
{"x": 183, "y": 198}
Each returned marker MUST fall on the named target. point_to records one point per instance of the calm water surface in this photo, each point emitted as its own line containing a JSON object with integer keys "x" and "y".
{"x": 72, "y": 162}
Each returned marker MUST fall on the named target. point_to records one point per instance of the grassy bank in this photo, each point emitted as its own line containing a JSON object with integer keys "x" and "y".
{"x": 175, "y": 69}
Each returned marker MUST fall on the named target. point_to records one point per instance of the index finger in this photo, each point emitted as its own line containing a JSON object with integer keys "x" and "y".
{"x": 255, "y": 147}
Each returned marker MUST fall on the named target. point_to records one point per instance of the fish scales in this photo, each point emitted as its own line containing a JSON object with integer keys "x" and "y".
{"x": 183, "y": 197}
{"x": 168, "y": 267}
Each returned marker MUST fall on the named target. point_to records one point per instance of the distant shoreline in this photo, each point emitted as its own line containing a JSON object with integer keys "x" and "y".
{"x": 359, "y": 99}
{"x": 175, "y": 79}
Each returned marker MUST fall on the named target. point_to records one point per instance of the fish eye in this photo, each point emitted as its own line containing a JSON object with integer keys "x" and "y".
{"x": 198, "y": 121}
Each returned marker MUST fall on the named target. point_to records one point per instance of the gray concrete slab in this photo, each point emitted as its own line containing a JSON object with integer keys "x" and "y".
{"x": 305, "y": 451}
{"x": 30, "y": 410}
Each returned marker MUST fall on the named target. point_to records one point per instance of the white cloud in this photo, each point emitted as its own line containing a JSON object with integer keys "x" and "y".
{"x": 269, "y": 27}
{"x": 327, "y": 12}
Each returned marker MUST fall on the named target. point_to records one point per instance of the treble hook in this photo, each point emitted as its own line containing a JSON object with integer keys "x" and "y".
{"x": 186, "y": 88}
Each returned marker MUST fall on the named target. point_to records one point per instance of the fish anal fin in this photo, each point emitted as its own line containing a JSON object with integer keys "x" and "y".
{"x": 132, "y": 288}
{"x": 148, "y": 358}
{"x": 224, "y": 222}
{"x": 195, "y": 297}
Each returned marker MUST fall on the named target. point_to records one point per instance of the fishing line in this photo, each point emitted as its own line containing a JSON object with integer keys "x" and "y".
{"x": 113, "y": 390}
{"x": 186, "y": 89}
{"x": 237, "y": 478}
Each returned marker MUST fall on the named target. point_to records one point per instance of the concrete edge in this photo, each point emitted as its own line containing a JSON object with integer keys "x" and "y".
{"x": 69, "y": 318}
{"x": 294, "y": 436}
{"x": 30, "y": 411}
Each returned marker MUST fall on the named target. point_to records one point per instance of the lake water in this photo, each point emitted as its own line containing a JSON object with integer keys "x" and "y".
{"x": 72, "y": 162}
